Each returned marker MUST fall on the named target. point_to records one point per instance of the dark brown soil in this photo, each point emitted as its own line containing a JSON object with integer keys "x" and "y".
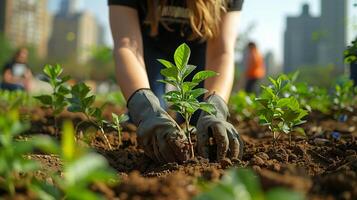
{"x": 320, "y": 166}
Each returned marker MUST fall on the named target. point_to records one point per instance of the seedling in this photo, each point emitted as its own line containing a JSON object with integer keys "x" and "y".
{"x": 15, "y": 169}
{"x": 81, "y": 168}
{"x": 117, "y": 120}
{"x": 343, "y": 98}
{"x": 184, "y": 97}
{"x": 82, "y": 101}
{"x": 280, "y": 114}
{"x": 243, "y": 105}
{"x": 57, "y": 100}
{"x": 243, "y": 184}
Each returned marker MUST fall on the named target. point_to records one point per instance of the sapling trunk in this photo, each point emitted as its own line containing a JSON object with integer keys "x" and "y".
{"x": 188, "y": 133}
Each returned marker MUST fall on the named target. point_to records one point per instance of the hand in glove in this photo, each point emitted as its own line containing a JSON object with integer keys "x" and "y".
{"x": 227, "y": 139}
{"x": 159, "y": 135}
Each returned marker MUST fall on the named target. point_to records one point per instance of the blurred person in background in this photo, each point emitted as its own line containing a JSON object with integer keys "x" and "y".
{"x": 16, "y": 74}
{"x": 255, "y": 68}
{"x": 144, "y": 31}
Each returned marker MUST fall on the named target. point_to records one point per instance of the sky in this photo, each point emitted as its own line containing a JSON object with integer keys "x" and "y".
{"x": 268, "y": 18}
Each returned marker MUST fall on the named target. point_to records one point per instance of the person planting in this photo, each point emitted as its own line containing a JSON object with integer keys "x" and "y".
{"x": 144, "y": 31}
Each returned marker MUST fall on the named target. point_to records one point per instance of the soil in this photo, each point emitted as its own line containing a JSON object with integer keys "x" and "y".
{"x": 322, "y": 165}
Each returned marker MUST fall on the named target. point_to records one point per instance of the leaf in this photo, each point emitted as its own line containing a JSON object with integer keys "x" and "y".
{"x": 168, "y": 81}
{"x": 197, "y": 92}
{"x": 166, "y": 63}
{"x": 182, "y": 55}
{"x": 45, "y": 99}
{"x": 68, "y": 143}
{"x": 170, "y": 73}
{"x": 188, "y": 86}
{"x": 300, "y": 131}
{"x": 187, "y": 71}
{"x": 209, "y": 108}
{"x": 202, "y": 75}
{"x": 81, "y": 169}
{"x": 283, "y": 194}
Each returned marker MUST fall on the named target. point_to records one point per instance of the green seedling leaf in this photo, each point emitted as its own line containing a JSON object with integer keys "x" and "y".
{"x": 197, "y": 92}
{"x": 68, "y": 142}
{"x": 169, "y": 72}
{"x": 166, "y": 63}
{"x": 181, "y": 56}
{"x": 45, "y": 99}
{"x": 209, "y": 108}
{"x": 283, "y": 194}
{"x": 202, "y": 75}
{"x": 188, "y": 70}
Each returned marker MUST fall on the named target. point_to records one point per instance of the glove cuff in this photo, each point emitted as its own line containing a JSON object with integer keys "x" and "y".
{"x": 220, "y": 105}
{"x": 142, "y": 104}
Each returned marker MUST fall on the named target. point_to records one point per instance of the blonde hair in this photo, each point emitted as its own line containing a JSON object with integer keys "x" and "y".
{"x": 204, "y": 16}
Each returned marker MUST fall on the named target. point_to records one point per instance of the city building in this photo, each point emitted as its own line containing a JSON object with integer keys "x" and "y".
{"x": 334, "y": 33}
{"x": 312, "y": 41}
{"x": 74, "y": 34}
{"x": 26, "y": 23}
{"x": 300, "y": 48}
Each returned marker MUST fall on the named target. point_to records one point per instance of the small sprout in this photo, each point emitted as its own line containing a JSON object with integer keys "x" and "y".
{"x": 82, "y": 101}
{"x": 117, "y": 120}
{"x": 57, "y": 100}
{"x": 343, "y": 98}
{"x": 280, "y": 114}
{"x": 184, "y": 98}
{"x": 81, "y": 168}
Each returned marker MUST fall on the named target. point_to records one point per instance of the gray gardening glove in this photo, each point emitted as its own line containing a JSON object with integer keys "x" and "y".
{"x": 226, "y": 138}
{"x": 159, "y": 135}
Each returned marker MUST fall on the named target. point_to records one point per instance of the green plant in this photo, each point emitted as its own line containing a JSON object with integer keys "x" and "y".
{"x": 82, "y": 101}
{"x": 343, "y": 97}
{"x": 57, "y": 100}
{"x": 243, "y": 184}
{"x": 243, "y": 105}
{"x": 15, "y": 169}
{"x": 81, "y": 168}
{"x": 280, "y": 114}
{"x": 310, "y": 98}
{"x": 184, "y": 97}
{"x": 117, "y": 120}
{"x": 350, "y": 53}
{"x": 12, "y": 100}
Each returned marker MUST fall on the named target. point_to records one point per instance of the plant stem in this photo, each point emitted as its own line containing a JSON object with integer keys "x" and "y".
{"x": 119, "y": 136}
{"x": 105, "y": 137}
{"x": 274, "y": 139}
{"x": 188, "y": 132}
{"x": 55, "y": 125}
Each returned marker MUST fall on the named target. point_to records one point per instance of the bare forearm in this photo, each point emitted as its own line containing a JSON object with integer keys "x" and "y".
{"x": 224, "y": 65}
{"x": 130, "y": 71}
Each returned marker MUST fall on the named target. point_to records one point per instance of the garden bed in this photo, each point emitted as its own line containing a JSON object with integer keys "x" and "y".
{"x": 321, "y": 166}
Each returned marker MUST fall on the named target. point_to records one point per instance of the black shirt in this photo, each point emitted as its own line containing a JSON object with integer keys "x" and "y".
{"x": 174, "y": 15}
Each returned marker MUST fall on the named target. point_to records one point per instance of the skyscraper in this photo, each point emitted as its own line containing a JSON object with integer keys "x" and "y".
{"x": 299, "y": 46}
{"x": 317, "y": 40}
{"x": 25, "y": 23}
{"x": 74, "y": 33}
{"x": 333, "y": 29}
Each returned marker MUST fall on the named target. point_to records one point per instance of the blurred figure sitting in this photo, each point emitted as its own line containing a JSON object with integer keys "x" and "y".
{"x": 16, "y": 74}
{"x": 255, "y": 69}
